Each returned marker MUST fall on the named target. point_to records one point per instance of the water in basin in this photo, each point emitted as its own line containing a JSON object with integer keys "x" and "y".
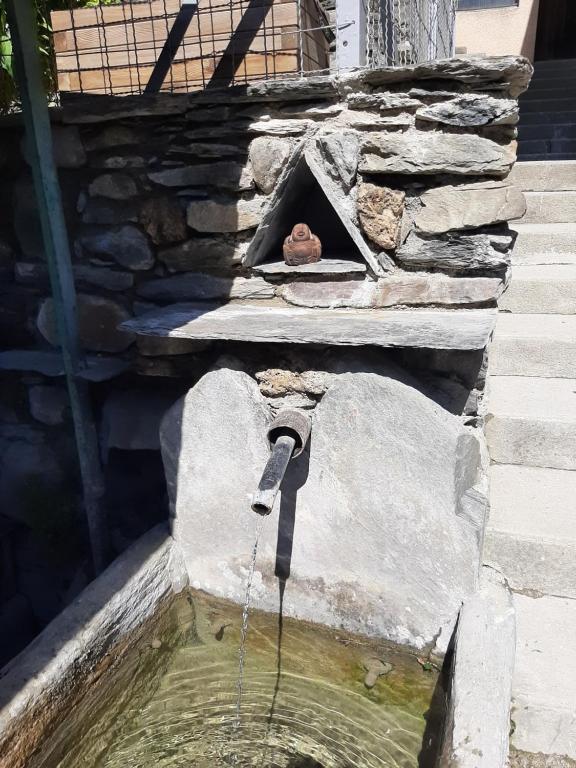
{"x": 305, "y": 702}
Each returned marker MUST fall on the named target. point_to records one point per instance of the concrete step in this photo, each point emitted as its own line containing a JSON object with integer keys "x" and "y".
{"x": 546, "y": 147}
{"x": 553, "y": 157}
{"x": 541, "y": 289}
{"x": 543, "y": 695}
{"x": 553, "y": 65}
{"x": 544, "y": 243}
{"x": 534, "y": 345}
{"x": 544, "y": 177}
{"x": 531, "y": 534}
{"x": 550, "y": 208}
{"x": 552, "y": 77}
{"x": 559, "y": 104}
{"x": 540, "y": 118}
{"x": 550, "y": 87}
{"x": 547, "y": 132}
{"x": 532, "y": 421}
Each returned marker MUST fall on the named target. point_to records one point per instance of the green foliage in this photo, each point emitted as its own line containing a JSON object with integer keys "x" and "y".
{"x": 8, "y": 88}
{"x": 95, "y": 3}
{"x": 6, "y": 69}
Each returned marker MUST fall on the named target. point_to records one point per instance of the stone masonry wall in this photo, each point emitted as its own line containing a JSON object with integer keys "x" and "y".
{"x": 164, "y": 195}
{"x": 168, "y": 199}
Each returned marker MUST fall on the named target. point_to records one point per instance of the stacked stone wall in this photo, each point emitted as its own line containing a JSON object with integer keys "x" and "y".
{"x": 166, "y": 199}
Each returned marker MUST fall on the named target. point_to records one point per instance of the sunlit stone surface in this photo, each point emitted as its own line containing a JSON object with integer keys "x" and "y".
{"x": 378, "y": 525}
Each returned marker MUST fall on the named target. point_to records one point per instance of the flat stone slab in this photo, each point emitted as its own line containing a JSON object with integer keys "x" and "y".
{"x": 532, "y": 421}
{"x": 481, "y": 685}
{"x": 510, "y": 73}
{"x": 470, "y": 109}
{"x": 468, "y": 206}
{"x": 261, "y": 322}
{"x": 456, "y": 251}
{"x": 531, "y": 536}
{"x": 544, "y": 243}
{"x": 430, "y": 153}
{"x": 323, "y": 267}
{"x": 407, "y": 289}
{"x": 544, "y": 176}
{"x": 546, "y": 289}
{"x": 387, "y": 483}
{"x": 545, "y": 676}
{"x": 534, "y": 345}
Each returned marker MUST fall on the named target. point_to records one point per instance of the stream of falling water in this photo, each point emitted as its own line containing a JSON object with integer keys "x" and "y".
{"x": 244, "y": 629}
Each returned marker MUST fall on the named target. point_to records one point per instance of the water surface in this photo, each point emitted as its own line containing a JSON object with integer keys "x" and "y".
{"x": 172, "y": 703}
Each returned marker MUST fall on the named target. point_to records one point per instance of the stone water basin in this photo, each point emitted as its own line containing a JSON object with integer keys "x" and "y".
{"x": 172, "y": 702}
{"x": 142, "y": 671}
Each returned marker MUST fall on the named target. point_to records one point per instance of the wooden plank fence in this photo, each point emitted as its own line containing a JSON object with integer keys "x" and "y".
{"x": 113, "y": 49}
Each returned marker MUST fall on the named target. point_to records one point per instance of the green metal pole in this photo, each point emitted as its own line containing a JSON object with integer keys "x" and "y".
{"x": 24, "y": 32}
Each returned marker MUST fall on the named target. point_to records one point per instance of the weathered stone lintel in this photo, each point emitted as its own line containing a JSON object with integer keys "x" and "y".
{"x": 92, "y": 108}
{"x": 259, "y": 322}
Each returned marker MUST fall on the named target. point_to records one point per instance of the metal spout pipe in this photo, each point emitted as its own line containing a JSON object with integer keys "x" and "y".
{"x": 288, "y": 435}
{"x": 274, "y": 471}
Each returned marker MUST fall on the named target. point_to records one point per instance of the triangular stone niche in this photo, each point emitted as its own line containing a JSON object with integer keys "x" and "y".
{"x": 305, "y": 192}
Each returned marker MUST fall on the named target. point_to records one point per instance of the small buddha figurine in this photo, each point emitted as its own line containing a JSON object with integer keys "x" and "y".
{"x": 301, "y": 246}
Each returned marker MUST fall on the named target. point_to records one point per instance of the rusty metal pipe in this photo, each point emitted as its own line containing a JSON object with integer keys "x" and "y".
{"x": 274, "y": 471}
{"x": 288, "y": 435}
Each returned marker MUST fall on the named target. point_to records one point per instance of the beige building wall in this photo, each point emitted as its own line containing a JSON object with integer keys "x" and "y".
{"x": 498, "y": 31}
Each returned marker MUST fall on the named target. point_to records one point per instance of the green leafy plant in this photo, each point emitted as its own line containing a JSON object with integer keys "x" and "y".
{"x": 8, "y": 86}
{"x": 6, "y": 67}
{"x": 95, "y": 3}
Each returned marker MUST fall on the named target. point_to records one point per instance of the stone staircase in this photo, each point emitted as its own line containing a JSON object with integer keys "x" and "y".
{"x": 547, "y": 128}
{"x": 531, "y": 433}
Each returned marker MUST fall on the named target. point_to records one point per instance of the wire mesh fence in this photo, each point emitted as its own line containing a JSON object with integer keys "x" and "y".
{"x": 118, "y": 49}
{"x": 129, "y": 47}
{"x": 401, "y": 32}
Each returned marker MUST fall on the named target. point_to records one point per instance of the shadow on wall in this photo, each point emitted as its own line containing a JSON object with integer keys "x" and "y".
{"x": 36, "y": 662}
{"x": 529, "y": 43}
